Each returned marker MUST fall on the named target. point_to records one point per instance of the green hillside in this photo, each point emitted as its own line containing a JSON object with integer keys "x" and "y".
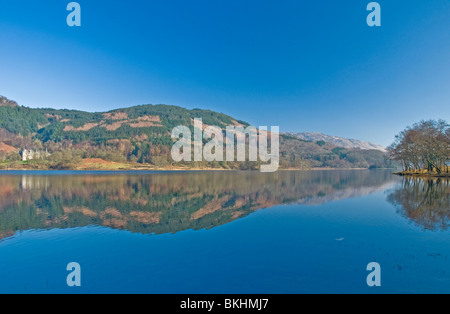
{"x": 141, "y": 135}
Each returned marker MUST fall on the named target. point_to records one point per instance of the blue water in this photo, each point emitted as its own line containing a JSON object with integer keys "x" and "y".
{"x": 289, "y": 248}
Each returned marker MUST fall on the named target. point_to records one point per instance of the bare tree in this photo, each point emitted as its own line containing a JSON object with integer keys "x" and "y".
{"x": 425, "y": 145}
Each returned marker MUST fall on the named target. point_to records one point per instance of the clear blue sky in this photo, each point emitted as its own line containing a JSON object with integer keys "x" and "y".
{"x": 302, "y": 65}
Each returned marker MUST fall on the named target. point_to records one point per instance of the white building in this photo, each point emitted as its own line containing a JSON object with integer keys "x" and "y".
{"x": 29, "y": 154}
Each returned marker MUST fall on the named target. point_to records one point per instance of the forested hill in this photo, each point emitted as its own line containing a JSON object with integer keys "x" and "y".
{"x": 58, "y": 125}
{"x": 141, "y": 135}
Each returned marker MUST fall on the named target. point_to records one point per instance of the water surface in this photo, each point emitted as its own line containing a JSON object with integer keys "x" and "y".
{"x": 223, "y": 232}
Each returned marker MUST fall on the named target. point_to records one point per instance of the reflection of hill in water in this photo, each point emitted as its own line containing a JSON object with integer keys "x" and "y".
{"x": 349, "y": 192}
{"x": 424, "y": 201}
{"x": 166, "y": 202}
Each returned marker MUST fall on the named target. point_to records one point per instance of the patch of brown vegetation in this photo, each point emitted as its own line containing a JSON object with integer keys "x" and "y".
{"x": 235, "y": 123}
{"x": 98, "y": 161}
{"x": 114, "y": 126}
{"x": 116, "y": 115}
{"x": 146, "y": 217}
{"x": 111, "y": 211}
{"x": 237, "y": 214}
{"x": 6, "y": 189}
{"x": 92, "y": 163}
{"x": 69, "y": 128}
{"x": 57, "y": 117}
{"x": 211, "y": 207}
{"x": 240, "y": 202}
{"x": 6, "y": 234}
{"x": 144, "y": 124}
{"x": 86, "y": 127}
{"x": 115, "y": 223}
{"x": 65, "y": 120}
{"x": 149, "y": 118}
{"x": 4, "y": 148}
{"x": 6, "y": 102}
{"x": 83, "y": 210}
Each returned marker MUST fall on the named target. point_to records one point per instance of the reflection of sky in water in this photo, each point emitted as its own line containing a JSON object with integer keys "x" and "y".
{"x": 306, "y": 245}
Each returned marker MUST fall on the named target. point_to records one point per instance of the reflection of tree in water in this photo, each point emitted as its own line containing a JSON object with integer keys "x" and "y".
{"x": 166, "y": 202}
{"x": 424, "y": 201}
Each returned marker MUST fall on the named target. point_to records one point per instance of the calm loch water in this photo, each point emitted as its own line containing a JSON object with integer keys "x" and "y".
{"x": 223, "y": 232}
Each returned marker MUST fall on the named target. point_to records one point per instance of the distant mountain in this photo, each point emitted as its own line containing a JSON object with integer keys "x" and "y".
{"x": 337, "y": 141}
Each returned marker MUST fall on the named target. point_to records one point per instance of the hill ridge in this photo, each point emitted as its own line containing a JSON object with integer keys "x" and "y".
{"x": 338, "y": 141}
{"x": 141, "y": 135}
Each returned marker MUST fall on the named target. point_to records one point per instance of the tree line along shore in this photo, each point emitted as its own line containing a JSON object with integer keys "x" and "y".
{"x": 423, "y": 149}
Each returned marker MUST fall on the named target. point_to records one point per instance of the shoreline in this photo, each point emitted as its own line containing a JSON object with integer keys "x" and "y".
{"x": 175, "y": 169}
{"x": 97, "y": 164}
{"x": 418, "y": 174}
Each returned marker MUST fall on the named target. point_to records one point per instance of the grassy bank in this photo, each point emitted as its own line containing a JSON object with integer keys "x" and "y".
{"x": 97, "y": 164}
